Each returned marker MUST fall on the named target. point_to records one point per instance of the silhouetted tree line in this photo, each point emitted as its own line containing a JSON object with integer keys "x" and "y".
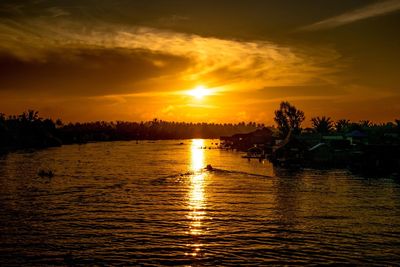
{"x": 150, "y": 130}
{"x": 377, "y": 133}
{"x": 289, "y": 119}
{"x": 28, "y": 130}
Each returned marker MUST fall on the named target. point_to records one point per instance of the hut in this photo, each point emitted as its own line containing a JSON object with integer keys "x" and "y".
{"x": 291, "y": 152}
{"x": 261, "y": 138}
{"x": 357, "y": 137}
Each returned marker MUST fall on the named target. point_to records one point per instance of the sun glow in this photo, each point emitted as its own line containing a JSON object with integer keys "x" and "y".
{"x": 199, "y": 92}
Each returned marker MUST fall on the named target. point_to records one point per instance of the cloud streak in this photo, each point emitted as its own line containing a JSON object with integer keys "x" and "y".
{"x": 242, "y": 65}
{"x": 373, "y": 10}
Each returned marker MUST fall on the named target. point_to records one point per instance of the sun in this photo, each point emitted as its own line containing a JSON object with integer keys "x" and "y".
{"x": 199, "y": 92}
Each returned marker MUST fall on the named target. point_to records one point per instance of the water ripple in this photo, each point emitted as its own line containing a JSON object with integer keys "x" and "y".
{"x": 149, "y": 204}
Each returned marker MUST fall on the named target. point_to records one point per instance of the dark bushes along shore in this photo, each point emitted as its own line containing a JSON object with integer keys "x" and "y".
{"x": 28, "y": 130}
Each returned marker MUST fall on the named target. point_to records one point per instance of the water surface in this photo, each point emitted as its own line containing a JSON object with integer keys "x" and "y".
{"x": 152, "y": 203}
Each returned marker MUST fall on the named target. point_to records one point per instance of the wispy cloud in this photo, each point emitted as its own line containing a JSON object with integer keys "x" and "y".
{"x": 57, "y": 12}
{"x": 377, "y": 9}
{"x": 242, "y": 65}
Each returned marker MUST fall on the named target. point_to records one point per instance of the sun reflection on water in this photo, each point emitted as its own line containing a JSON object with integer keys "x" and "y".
{"x": 196, "y": 196}
{"x": 197, "y": 155}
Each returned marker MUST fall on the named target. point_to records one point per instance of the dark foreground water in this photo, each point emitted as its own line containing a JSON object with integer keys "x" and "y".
{"x": 151, "y": 203}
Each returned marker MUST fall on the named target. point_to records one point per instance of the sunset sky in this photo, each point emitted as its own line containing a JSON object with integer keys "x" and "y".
{"x": 200, "y": 60}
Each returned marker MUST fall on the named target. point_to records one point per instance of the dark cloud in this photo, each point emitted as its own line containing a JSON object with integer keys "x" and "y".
{"x": 86, "y": 72}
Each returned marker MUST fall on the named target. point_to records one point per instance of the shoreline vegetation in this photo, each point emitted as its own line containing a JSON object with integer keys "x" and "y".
{"x": 29, "y": 131}
{"x": 361, "y": 146}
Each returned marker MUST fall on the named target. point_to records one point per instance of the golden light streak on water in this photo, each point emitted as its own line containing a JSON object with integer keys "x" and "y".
{"x": 197, "y": 158}
{"x": 196, "y": 196}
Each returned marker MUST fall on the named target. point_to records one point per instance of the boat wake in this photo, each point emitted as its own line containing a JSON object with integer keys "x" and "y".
{"x": 238, "y": 172}
{"x": 180, "y": 177}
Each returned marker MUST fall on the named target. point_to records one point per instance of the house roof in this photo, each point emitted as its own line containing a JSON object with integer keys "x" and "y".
{"x": 356, "y": 133}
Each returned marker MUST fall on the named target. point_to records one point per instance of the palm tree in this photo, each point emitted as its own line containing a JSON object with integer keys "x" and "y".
{"x": 365, "y": 123}
{"x": 29, "y": 116}
{"x": 397, "y": 123}
{"x": 322, "y": 125}
{"x": 342, "y": 125}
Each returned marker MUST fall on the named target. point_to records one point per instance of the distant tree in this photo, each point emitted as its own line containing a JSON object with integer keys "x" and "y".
{"x": 2, "y": 122}
{"x": 29, "y": 116}
{"x": 388, "y": 125}
{"x": 365, "y": 123}
{"x": 59, "y": 123}
{"x": 288, "y": 118}
{"x": 322, "y": 125}
{"x": 342, "y": 125}
{"x": 397, "y": 123}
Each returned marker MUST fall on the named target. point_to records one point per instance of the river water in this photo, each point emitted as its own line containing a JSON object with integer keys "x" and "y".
{"x": 152, "y": 203}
